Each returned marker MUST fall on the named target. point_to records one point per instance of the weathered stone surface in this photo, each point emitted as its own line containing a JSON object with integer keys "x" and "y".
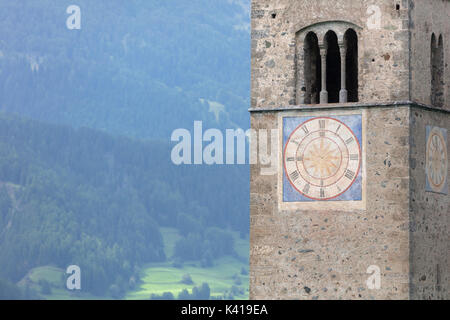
{"x": 324, "y": 254}
{"x": 428, "y": 17}
{"x": 429, "y": 218}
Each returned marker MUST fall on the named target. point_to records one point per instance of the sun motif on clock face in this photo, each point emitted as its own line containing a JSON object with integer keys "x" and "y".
{"x": 322, "y": 158}
{"x": 436, "y": 160}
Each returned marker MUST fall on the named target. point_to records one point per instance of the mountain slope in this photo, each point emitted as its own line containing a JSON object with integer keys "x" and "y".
{"x": 78, "y": 196}
{"x": 140, "y": 68}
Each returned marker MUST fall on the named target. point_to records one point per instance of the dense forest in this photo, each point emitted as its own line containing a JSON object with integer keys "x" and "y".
{"x": 138, "y": 67}
{"x": 78, "y": 196}
{"x": 85, "y": 123}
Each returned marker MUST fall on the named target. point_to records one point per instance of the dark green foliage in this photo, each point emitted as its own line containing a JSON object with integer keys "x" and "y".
{"x": 187, "y": 224}
{"x": 189, "y": 248}
{"x": 220, "y": 242}
{"x": 5, "y": 207}
{"x": 164, "y": 296}
{"x": 177, "y": 263}
{"x": 184, "y": 295}
{"x": 9, "y": 291}
{"x": 187, "y": 279}
{"x": 83, "y": 197}
{"x": 213, "y": 243}
{"x": 235, "y": 290}
{"x": 207, "y": 260}
{"x": 202, "y": 292}
{"x": 115, "y": 291}
{"x": 136, "y": 67}
{"x": 141, "y": 69}
{"x": 45, "y": 287}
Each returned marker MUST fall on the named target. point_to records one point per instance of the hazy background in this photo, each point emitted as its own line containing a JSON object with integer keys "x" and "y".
{"x": 85, "y": 172}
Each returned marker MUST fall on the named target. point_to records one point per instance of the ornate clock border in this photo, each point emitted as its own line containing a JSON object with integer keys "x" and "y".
{"x": 329, "y": 203}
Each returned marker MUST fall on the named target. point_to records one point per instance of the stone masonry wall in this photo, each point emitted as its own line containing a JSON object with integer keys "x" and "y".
{"x": 430, "y": 219}
{"x": 428, "y": 17}
{"x": 324, "y": 254}
{"x": 383, "y": 53}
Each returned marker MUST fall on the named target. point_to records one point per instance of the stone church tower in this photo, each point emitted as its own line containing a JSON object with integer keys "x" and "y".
{"x": 359, "y": 94}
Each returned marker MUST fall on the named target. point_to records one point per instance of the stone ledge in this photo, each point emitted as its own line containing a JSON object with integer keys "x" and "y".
{"x": 351, "y": 105}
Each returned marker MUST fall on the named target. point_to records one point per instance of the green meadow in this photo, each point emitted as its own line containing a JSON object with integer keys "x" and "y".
{"x": 56, "y": 279}
{"x": 225, "y": 278}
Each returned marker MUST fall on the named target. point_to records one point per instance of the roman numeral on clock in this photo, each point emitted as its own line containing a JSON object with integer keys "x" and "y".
{"x": 294, "y": 175}
{"x": 322, "y": 193}
{"x": 349, "y": 174}
{"x": 305, "y": 129}
{"x": 322, "y": 124}
{"x": 349, "y": 140}
{"x": 306, "y": 188}
{"x": 290, "y": 159}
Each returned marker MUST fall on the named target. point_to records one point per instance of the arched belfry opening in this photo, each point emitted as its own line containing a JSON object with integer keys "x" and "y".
{"x": 351, "y": 61}
{"x": 437, "y": 71}
{"x": 333, "y": 67}
{"x": 327, "y": 63}
{"x": 312, "y": 69}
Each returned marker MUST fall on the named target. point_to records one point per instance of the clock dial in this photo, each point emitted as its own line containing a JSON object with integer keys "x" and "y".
{"x": 322, "y": 158}
{"x": 436, "y": 161}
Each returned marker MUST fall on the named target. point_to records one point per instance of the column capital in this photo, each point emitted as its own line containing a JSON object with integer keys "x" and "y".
{"x": 342, "y": 47}
{"x": 323, "y": 47}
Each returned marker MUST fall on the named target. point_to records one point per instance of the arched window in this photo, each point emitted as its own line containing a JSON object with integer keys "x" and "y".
{"x": 351, "y": 45}
{"x": 327, "y": 63}
{"x": 437, "y": 71}
{"x": 312, "y": 69}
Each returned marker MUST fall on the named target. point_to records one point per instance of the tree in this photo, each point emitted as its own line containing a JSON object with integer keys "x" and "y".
{"x": 115, "y": 291}
{"x": 205, "y": 292}
{"x": 184, "y": 295}
{"x": 187, "y": 224}
{"x": 201, "y": 293}
{"x": 168, "y": 296}
{"x": 207, "y": 260}
{"x": 45, "y": 287}
{"x": 186, "y": 279}
{"x": 164, "y": 296}
{"x": 9, "y": 291}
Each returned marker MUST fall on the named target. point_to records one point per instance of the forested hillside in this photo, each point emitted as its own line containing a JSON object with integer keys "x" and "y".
{"x": 78, "y": 182}
{"x": 77, "y": 196}
{"x": 137, "y": 67}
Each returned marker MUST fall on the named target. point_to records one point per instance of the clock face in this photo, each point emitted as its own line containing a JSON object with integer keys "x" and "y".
{"x": 436, "y": 160}
{"x": 322, "y": 158}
